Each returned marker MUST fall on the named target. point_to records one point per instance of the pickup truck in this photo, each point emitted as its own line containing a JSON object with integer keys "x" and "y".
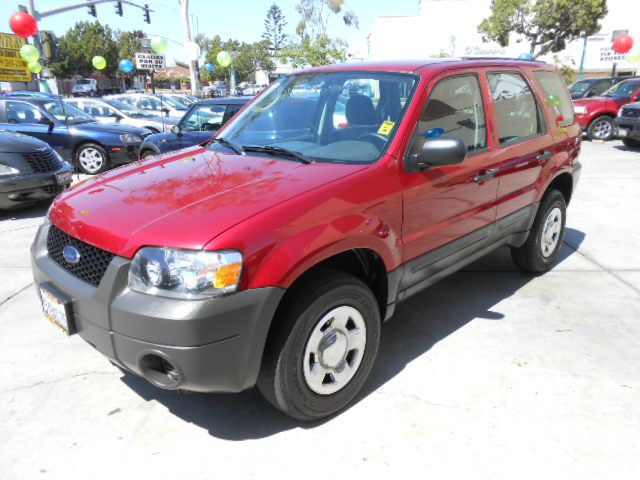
{"x": 272, "y": 254}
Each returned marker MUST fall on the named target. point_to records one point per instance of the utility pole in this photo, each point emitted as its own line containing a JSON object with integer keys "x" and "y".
{"x": 195, "y": 88}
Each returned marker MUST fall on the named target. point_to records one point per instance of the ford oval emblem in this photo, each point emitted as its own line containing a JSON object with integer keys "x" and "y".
{"x": 71, "y": 254}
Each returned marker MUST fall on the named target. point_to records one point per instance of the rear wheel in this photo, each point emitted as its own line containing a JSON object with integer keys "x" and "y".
{"x": 92, "y": 159}
{"x": 322, "y": 349}
{"x": 601, "y": 128}
{"x": 147, "y": 154}
{"x": 631, "y": 143}
{"x": 544, "y": 242}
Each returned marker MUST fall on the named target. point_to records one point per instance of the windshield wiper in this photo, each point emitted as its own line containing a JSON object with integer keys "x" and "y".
{"x": 227, "y": 143}
{"x": 275, "y": 150}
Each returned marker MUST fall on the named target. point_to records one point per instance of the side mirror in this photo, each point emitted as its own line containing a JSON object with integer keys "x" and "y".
{"x": 46, "y": 121}
{"x": 176, "y": 130}
{"x": 435, "y": 152}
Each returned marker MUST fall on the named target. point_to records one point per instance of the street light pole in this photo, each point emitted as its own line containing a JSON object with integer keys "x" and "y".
{"x": 195, "y": 88}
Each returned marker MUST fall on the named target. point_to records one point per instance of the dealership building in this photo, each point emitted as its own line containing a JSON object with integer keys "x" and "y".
{"x": 450, "y": 27}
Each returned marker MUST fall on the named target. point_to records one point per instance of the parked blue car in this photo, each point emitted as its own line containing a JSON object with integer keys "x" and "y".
{"x": 198, "y": 125}
{"x": 88, "y": 145}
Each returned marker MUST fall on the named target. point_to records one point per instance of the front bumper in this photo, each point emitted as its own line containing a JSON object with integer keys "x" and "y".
{"x": 121, "y": 154}
{"x": 212, "y": 345}
{"x": 19, "y": 190}
{"x": 629, "y": 125}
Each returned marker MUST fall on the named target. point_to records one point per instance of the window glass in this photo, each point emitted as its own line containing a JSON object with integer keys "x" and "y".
{"x": 600, "y": 87}
{"x": 516, "y": 107}
{"x": 67, "y": 113}
{"x": 203, "y": 118}
{"x": 557, "y": 97}
{"x": 623, "y": 89}
{"x": 455, "y": 108}
{"x": 98, "y": 110}
{"x": 18, "y": 112}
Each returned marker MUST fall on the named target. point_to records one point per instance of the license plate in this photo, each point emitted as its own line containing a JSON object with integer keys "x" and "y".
{"x": 623, "y": 132}
{"x": 57, "y": 310}
{"x": 64, "y": 178}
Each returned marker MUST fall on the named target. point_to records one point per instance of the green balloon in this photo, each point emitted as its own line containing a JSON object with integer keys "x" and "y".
{"x": 224, "y": 59}
{"x": 554, "y": 101}
{"x": 35, "y": 67}
{"x": 159, "y": 44}
{"x": 99, "y": 62}
{"x": 634, "y": 57}
{"x": 29, "y": 53}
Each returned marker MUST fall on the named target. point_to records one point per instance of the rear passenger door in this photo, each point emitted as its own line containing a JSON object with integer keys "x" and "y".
{"x": 521, "y": 134}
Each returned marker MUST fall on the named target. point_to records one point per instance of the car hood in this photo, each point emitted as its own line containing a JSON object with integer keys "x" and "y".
{"x": 13, "y": 142}
{"x": 605, "y": 102}
{"x": 183, "y": 200}
{"x": 114, "y": 128}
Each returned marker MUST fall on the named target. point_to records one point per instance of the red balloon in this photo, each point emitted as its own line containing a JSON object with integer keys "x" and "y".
{"x": 623, "y": 44}
{"x": 23, "y": 24}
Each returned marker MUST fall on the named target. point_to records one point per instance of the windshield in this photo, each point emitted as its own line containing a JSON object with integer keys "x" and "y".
{"x": 341, "y": 117}
{"x": 125, "y": 107}
{"x": 172, "y": 102}
{"x": 83, "y": 82}
{"x": 622, "y": 89}
{"x": 184, "y": 101}
{"x": 73, "y": 114}
{"x": 580, "y": 87}
{"x": 203, "y": 118}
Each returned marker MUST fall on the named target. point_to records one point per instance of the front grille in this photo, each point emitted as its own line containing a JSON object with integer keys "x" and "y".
{"x": 630, "y": 113}
{"x": 93, "y": 260}
{"x": 53, "y": 189}
{"x": 43, "y": 161}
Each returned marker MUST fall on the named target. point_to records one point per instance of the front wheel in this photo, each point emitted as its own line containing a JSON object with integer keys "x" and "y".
{"x": 544, "y": 242}
{"x": 92, "y": 159}
{"x": 322, "y": 348}
{"x": 601, "y": 128}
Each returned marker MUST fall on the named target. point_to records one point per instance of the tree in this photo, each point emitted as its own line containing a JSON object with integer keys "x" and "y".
{"x": 128, "y": 44}
{"x": 80, "y": 44}
{"x": 314, "y": 46}
{"x": 274, "y": 28}
{"x": 248, "y": 58}
{"x": 546, "y": 25}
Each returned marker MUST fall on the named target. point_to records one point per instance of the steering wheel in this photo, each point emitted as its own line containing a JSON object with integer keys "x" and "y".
{"x": 379, "y": 141}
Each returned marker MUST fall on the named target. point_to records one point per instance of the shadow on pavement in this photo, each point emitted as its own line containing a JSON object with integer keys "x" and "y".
{"x": 624, "y": 148}
{"x": 418, "y": 324}
{"x": 32, "y": 211}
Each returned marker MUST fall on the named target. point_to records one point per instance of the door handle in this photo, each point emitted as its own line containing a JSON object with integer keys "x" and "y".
{"x": 485, "y": 175}
{"x": 543, "y": 157}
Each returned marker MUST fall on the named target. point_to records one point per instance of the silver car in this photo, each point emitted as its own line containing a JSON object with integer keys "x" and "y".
{"x": 152, "y": 104}
{"x": 109, "y": 111}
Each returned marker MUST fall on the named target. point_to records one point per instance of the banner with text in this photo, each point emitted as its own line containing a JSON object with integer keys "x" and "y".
{"x": 150, "y": 61}
{"x": 12, "y": 67}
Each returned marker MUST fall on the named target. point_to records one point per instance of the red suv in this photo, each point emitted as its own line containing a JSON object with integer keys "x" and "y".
{"x": 273, "y": 255}
{"x": 596, "y": 115}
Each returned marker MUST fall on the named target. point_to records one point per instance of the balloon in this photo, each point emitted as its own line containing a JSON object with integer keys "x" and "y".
{"x": 623, "y": 44}
{"x": 35, "y": 67}
{"x": 554, "y": 101}
{"x": 126, "y": 65}
{"x": 191, "y": 51}
{"x": 99, "y": 62}
{"x": 634, "y": 57}
{"x": 29, "y": 53}
{"x": 209, "y": 67}
{"x": 526, "y": 56}
{"x": 23, "y": 24}
{"x": 224, "y": 59}
{"x": 159, "y": 44}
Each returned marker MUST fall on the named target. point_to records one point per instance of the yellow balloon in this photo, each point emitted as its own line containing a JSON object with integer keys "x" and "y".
{"x": 634, "y": 57}
{"x": 35, "y": 67}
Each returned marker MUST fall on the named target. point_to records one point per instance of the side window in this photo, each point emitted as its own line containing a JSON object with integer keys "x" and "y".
{"x": 231, "y": 111}
{"x": 557, "y": 97}
{"x": 455, "y": 108}
{"x": 600, "y": 87}
{"x": 18, "y": 112}
{"x": 95, "y": 109}
{"x": 516, "y": 107}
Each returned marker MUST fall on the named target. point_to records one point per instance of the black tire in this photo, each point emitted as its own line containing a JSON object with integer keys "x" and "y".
{"x": 282, "y": 379}
{"x": 147, "y": 154}
{"x": 152, "y": 129}
{"x": 601, "y": 128}
{"x": 530, "y": 257}
{"x": 631, "y": 143}
{"x": 83, "y": 164}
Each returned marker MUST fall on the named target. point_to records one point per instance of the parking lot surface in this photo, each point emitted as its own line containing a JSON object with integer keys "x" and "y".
{"x": 489, "y": 374}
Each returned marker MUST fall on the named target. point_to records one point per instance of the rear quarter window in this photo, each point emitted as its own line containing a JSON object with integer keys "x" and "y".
{"x": 557, "y": 97}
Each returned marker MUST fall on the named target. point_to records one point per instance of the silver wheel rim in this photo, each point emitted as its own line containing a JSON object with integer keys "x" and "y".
{"x": 334, "y": 350}
{"x": 91, "y": 160}
{"x": 602, "y": 130}
{"x": 551, "y": 232}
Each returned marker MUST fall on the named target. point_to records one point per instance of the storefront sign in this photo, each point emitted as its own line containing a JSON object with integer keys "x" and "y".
{"x": 12, "y": 67}
{"x": 150, "y": 61}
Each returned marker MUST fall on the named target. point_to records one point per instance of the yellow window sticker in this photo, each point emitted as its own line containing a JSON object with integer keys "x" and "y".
{"x": 386, "y": 127}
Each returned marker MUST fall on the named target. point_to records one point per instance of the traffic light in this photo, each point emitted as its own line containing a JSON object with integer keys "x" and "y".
{"x": 147, "y": 18}
{"x": 119, "y": 8}
{"x": 92, "y": 11}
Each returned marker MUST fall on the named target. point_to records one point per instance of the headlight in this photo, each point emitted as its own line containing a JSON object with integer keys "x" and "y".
{"x": 130, "y": 138}
{"x": 580, "y": 110}
{"x": 189, "y": 274}
{"x": 7, "y": 170}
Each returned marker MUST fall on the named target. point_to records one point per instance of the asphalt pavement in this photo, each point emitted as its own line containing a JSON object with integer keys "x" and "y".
{"x": 489, "y": 374}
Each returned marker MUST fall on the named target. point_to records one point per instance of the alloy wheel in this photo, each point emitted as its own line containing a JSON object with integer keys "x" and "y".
{"x": 91, "y": 160}
{"x": 551, "y": 232}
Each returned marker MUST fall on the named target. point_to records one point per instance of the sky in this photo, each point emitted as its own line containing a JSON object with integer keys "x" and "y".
{"x": 239, "y": 19}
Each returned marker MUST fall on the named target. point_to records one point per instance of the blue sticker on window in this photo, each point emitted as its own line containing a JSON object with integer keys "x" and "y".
{"x": 434, "y": 132}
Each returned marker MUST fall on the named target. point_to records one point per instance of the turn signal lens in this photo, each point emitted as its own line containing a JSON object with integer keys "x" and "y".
{"x": 228, "y": 275}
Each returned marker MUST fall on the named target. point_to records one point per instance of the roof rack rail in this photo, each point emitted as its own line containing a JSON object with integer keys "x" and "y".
{"x": 499, "y": 58}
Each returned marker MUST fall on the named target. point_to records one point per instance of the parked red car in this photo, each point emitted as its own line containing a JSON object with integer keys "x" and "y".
{"x": 596, "y": 115}
{"x": 273, "y": 255}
